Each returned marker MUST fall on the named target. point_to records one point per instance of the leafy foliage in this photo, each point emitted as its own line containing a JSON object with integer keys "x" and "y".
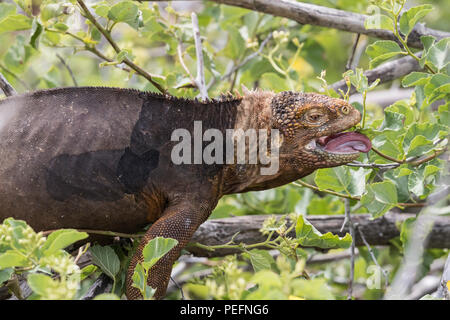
{"x": 240, "y": 47}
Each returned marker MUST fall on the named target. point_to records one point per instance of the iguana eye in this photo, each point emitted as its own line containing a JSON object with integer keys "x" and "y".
{"x": 345, "y": 109}
{"x": 315, "y": 117}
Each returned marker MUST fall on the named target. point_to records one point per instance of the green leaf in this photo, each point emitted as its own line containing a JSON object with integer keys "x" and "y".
{"x": 313, "y": 289}
{"x": 61, "y": 26}
{"x": 125, "y": 11}
{"x": 40, "y": 283}
{"x": 342, "y": 179}
{"x": 438, "y": 54}
{"x": 427, "y": 42}
{"x": 326, "y": 205}
{"x": 12, "y": 258}
{"x": 430, "y": 131}
{"x": 357, "y": 79}
{"x": 410, "y": 18}
{"x": 419, "y": 146}
{"x": 260, "y": 259}
{"x": 139, "y": 278}
{"x": 51, "y": 10}
{"x": 18, "y": 55}
{"x": 60, "y": 239}
{"x": 6, "y": 9}
{"x": 436, "y": 82}
{"x": 273, "y": 81}
{"x": 236, "y": 44}
{"x": 380, "y": 197}
{"x": 106, "y": 259}
{"x": 155, "y": 249}
{"x": 392, "y": 121}
{"x": 444, "y": 114}
{"x": 15, "y": 22}
{"x": 399, "y": 177}
{"x": 422, "y": 180}
{"x": 404, "y": 108}
{"x": 87, "y": 271}
{"x": 5, "y": 274}
{"x": 308, "y": 236}
{"x": 381, "y": 51}
{"x": 102, "y": 10}
{"x": 140, "y": 282}
{"x": 267, "y": 278}
{"x": 415, "y": 79}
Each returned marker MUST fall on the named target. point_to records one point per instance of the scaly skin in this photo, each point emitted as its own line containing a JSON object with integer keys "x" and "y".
{"x": 100, "y": 158}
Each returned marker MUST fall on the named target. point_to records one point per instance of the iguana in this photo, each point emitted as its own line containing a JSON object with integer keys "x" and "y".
{"x": 100, "y": 158}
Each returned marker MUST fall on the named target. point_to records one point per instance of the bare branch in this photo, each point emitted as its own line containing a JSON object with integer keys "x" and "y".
{"x": 372, "y": 255}
{"x": 305, "y": 13}
{"x": 351, "y": 63}
{"x": 377, "y": 232}
{"x": 6, "y": 86}
{"x": 75, "y": 83}
{"x": 186, "y": 69}
{"x": 200, "y": 80}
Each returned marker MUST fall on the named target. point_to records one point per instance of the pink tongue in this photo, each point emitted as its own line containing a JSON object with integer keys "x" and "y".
{"x": 346, "y": 142}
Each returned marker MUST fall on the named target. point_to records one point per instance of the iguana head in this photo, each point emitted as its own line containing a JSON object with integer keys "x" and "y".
{"x": 312, "y": 127}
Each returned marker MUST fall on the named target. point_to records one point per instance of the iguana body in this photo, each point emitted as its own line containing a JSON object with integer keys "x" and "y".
{"x": 100, "y": 158}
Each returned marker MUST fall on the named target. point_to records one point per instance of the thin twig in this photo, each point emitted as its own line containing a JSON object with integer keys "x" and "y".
{"x": 351, "y": 228}
{"x": 200, "y": 80}
{"x": 68, "y": 69}
{"x": 186, "y": 69}
{"x": 6, "y": 86}
{"x": 179, "y": 288}
{"x": 304, "y": 184}
{"x": 345, "y": 196}
{"x": 372, "y": 255}
{"x": 82, "y": 250}
{"x": 414, "y": 161}
{"x": 88, "y": 15}
{"x": 373, "y": 165}
{"x": 90, "y": 48}
{"x": 350, "y": 64}
{"x": 386, "y": 156}
{"x": 243, "y": 63}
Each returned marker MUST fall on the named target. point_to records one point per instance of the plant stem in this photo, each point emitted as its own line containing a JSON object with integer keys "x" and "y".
{"x": 304, "y": 184}
{"x": 387, "y": 157}
{"x": 88, "y": 15}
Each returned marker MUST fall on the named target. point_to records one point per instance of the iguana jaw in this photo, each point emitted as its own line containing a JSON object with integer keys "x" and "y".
{"x": 343, "y": 143}
{"x": 337, "y": 148}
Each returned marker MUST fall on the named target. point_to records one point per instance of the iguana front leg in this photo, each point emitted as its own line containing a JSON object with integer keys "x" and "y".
{"x": 179, "y": 221}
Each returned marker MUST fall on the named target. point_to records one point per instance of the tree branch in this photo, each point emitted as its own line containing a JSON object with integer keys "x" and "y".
{"x": 377, "y": 232}
{"x": 386, "y": 72}
{"x": 305, "y": 13}
{"x": 75, "y": 83}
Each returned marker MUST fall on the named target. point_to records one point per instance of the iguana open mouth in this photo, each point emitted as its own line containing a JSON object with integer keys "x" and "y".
{"x": 342, "y": 143}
